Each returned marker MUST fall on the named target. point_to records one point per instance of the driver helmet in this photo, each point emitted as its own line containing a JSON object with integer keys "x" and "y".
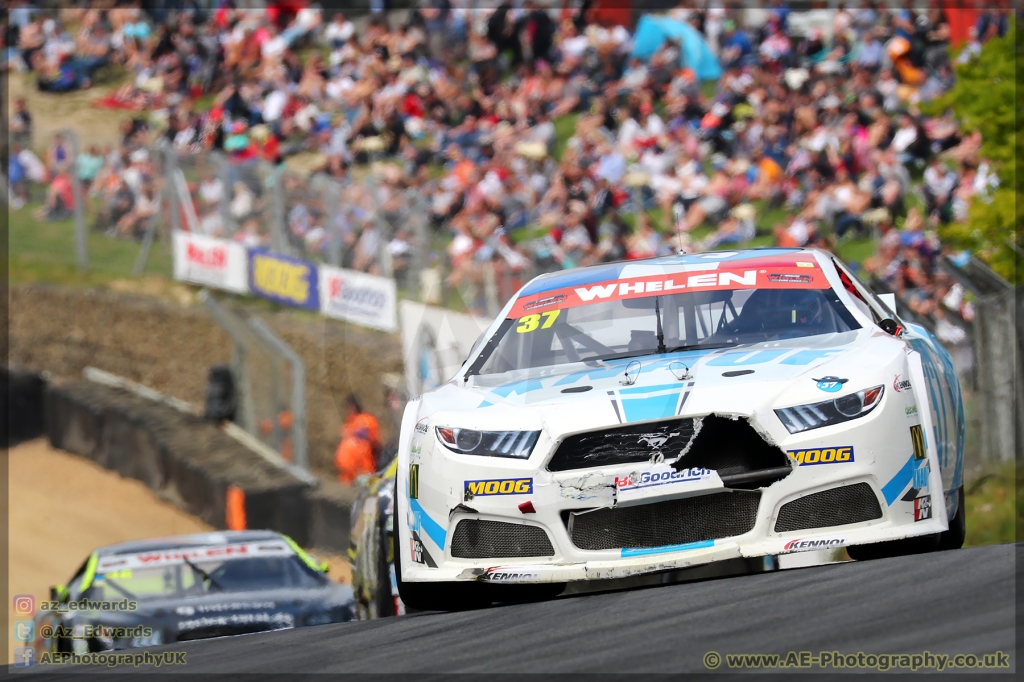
{"x": 782, "y": 309}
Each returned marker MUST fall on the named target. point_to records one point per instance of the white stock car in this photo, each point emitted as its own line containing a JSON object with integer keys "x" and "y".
{"x": 652, "y": 415}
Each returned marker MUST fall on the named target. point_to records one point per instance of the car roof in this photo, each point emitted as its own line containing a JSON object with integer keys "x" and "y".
{"x": 215, "y": 538}
{"x": 663, "y": 264}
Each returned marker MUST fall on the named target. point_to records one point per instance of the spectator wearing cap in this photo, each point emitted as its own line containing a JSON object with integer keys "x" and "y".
{"x": 735, "y": 45}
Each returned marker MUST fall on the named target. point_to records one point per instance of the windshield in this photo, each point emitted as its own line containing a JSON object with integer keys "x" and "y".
{"x": 193, "y": 576}
{"x": 645, "y": 320}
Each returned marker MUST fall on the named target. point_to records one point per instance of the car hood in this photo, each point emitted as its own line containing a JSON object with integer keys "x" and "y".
{"x": 741, "y": 380}
{"x": 227, "y": 613}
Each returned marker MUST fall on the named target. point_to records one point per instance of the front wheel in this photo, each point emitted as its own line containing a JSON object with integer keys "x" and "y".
{"x": 434, "y": 596}
{"x": 949, "y": 539}
{"x": 957, "y": 533}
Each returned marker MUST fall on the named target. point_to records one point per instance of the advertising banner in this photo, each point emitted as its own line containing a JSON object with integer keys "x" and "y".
{"x": 284, "y": 280}
{"x": 356, "y": 297}
{"x": 212, "y": 262}
{"x": 435, "y": 342}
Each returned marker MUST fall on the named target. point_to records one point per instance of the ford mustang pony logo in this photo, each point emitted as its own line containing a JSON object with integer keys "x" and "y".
{"x": 656, "y": 440}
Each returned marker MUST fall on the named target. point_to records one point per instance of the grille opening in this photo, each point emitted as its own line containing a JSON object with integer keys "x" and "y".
{"x": 483, "y": 539}
{"x": 733, "y": 448}
{"x": 833, "y": 507}
{"x": 672, "y": 522}
{"x": 623, "y": 445}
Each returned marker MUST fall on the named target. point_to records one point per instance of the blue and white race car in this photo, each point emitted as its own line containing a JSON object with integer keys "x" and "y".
{"x": 652, "y": 415}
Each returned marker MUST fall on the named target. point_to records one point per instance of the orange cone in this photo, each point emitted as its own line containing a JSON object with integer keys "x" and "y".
{"x": 234, "y": 509}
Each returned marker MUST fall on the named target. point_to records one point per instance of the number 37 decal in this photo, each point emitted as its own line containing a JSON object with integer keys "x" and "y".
{"x": 530, "y": 323}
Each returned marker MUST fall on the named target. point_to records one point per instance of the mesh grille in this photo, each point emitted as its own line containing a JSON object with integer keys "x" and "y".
{"x": 673, "y": 522}
{"x": 478, "y": 539}
{"x": 833, "y": 507}
{"x": 623, "y": 445}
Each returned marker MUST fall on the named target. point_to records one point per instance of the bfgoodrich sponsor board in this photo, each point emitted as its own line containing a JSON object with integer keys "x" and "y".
{"x": 213, "y": 262}
{"x": 359, "y": 298}
{"x": 285, "y": 280}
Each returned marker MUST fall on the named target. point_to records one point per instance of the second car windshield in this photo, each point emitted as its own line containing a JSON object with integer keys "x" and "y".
{"x": 201, "y": 577}
{"x": 629, "y": 327}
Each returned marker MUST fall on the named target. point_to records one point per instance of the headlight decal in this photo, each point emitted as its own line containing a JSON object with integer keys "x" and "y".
{"x": 828, "y": 412}
{"x": 513, "y": 444}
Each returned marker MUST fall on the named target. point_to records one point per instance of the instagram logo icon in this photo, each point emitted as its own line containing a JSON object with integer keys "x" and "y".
{"x": 24, "y": 604}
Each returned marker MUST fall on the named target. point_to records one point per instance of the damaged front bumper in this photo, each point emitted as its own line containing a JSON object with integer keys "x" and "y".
{"x": 840, "y": 486}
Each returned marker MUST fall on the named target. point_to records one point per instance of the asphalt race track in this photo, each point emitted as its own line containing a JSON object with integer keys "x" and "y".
{"x": 949, "y": 602}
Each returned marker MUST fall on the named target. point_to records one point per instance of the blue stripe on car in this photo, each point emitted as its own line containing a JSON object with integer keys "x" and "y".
{"x": 583, "y": 276}
{"x": 650, "y": 406}
{"x": 898, "y": 483}
{"x": 431, "y": 527}
{"x": 643, "y": 551}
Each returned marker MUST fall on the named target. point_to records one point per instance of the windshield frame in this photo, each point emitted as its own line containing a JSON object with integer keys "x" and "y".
{"x": 212, "y": 567}
{"x": 839, "y": 308}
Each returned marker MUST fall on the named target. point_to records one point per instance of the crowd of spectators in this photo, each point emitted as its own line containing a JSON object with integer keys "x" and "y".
{"x": 811, "y": 135}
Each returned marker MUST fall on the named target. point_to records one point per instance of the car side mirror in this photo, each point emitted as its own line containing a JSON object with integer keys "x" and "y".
{"x": 889, "y": 300}
{"x": 890, "y": 326}
{"x": 58, "y": 593}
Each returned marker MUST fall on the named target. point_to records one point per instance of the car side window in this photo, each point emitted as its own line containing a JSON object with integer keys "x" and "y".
{"x": 862, "y": 293}
{"x": 75, "y": 584}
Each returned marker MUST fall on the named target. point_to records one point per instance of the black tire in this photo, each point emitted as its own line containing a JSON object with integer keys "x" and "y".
{"x": 957, "y": 533}
{"x": 950, "y": 539}
{"x": 435, "y": 596}
{"x": 383, "y": 599}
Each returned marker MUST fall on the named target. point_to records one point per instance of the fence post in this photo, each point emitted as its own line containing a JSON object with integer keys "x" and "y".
{"x": 332, "y": 216}
{"x": 278, "y": 212}
{"x": 76, "y": 190}
{"x": 421, "y": 233}
{"x": 383, "y": 236}
{"x": 224, "y": 173}
{"x": 160, "y": 151}
{"x": 997, "y": 365}
{"x": 172, "y": 179}
{"x": 298, "y": 389}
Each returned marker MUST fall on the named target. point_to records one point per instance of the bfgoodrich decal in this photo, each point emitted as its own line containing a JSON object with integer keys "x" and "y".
{"x": 360, "y": 298}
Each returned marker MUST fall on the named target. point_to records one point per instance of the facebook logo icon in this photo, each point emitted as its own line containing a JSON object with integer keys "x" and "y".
{"x": 24, "y": 657}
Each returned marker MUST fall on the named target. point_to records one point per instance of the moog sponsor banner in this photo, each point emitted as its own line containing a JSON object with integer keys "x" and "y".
{"x": 284, "y": 280}
{"x": 217, "y": 263}
{"x": 360, "y": 298}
